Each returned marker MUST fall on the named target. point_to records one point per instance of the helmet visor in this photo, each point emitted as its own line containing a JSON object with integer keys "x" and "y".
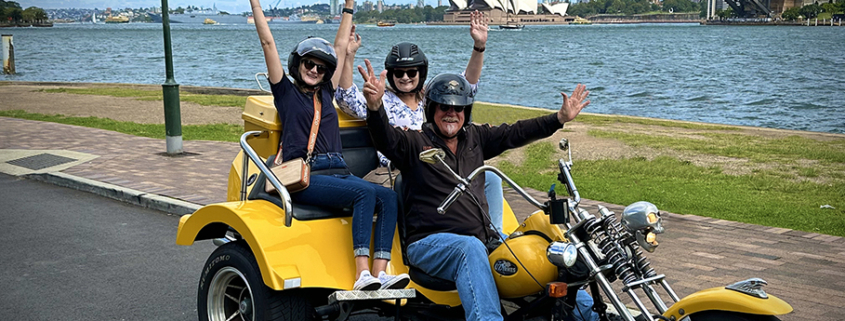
{"x": 312, "y": 45}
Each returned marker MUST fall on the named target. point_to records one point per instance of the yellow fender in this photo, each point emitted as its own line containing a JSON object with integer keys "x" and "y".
{"x": 726, "y": 300}
{"x": 309, "y": 253}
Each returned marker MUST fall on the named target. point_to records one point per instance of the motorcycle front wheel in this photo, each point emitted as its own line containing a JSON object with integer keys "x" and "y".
{"x": 729, "y": 316}
{"x": 231, "y": 288}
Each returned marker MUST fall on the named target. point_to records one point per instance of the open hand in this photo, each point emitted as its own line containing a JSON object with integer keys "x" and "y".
{"x": 572, "y": 105}
{"x": 478, "y": 28}
{"x": 354, "y": 42}
{"x": 373, "y": 87}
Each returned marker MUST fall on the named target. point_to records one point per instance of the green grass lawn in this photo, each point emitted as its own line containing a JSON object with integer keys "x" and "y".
{"x": 680, "y": 187}
{"x": 203, "y": 100}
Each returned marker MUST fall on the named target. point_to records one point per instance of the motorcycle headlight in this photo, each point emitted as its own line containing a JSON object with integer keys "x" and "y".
{"x": 562, "y": 254}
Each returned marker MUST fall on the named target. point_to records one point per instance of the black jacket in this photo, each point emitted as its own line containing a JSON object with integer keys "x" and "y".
{"x": 427, "y": 185}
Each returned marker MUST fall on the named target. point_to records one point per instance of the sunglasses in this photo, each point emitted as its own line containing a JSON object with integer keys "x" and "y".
{"x": 321, "y": 69}
{"x": 445, "y": 108}
{"x": 401, "y": 73}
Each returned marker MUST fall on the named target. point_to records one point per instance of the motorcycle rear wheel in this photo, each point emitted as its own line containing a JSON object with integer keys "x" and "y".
{"x": 730, "y": 316}
{"x": 231, "y": 288}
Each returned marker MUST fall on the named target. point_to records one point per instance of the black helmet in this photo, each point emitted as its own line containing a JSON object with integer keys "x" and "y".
{"x": 448, "y": 89}
{"x": 314, "y": 47}
{"x": 406, "y": 55}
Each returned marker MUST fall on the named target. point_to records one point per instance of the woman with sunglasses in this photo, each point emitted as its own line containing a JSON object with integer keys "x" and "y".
{"x": 312, "y": 64}
{"x": 407, "y": 68}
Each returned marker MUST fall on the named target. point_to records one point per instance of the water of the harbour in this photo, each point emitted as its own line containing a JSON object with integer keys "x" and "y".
{"x": 778, "y": 77}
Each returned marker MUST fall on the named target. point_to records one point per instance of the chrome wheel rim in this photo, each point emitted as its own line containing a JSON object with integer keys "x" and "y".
{"x": 230, "y": 297}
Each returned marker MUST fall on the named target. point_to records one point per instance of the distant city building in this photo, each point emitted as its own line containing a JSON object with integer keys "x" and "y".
{"x": 367, "y": 6}
{"x": 380, "y": 6}
{"x": 421, "y": 3}
{"x": 333, "y": 7}
{"x": 439, "y": 3}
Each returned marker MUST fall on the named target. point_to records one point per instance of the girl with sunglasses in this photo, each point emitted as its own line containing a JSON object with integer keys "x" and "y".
{"x": 407, "y": 68}
{"x": 312, "y": 65}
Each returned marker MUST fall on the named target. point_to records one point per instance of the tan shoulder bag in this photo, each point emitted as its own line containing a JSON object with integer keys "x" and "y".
{"x": 295, "y": 174}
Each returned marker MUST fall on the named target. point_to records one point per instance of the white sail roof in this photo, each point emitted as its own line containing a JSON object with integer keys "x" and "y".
{"x": 524, "y": 6}
{"x": 457, "y": 5}
{"x": 557, "y": 8}
{"x": 484, "y": 4}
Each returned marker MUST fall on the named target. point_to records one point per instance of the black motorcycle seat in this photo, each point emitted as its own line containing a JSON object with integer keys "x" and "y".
{"x": 430, "y": 282}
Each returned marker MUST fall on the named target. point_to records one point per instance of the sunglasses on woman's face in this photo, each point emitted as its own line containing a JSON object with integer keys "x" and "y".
{"x": 321, "y": 69}
{"x": 445, "y": 108}
{"x": 401, "y": 73}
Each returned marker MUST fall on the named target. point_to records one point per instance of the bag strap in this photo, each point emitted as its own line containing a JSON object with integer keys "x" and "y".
{"x": 312, "y": 137}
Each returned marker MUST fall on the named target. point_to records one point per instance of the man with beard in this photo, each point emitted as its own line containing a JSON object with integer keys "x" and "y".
{"x": 452, "y": 246}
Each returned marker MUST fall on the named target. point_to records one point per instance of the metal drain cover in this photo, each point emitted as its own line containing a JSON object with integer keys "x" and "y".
{"x": 40, "y": 161}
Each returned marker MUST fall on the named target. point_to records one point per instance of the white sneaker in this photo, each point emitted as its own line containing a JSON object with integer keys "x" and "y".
{"x": 393, "y": 282}
{"x": 366, "y": 282}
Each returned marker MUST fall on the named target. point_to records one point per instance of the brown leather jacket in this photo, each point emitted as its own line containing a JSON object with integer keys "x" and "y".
{"x": 427, "y": 185}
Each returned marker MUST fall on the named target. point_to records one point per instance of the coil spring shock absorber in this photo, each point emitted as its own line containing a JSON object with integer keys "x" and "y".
{"x": 643, "y": 263}
{"x": 606, "y": 237}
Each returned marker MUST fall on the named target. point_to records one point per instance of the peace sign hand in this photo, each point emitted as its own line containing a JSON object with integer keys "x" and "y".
{"x": 373, "y": 87}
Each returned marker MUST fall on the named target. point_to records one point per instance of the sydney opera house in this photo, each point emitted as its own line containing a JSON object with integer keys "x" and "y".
{"x": 523, "y": 12}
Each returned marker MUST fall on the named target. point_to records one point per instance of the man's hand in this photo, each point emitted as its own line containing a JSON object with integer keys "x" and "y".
{"x": 572, "y": 105}
{"x": 478, "y": 29}
{"x": 373, "y": 87}
{"x": 354, "y": 42}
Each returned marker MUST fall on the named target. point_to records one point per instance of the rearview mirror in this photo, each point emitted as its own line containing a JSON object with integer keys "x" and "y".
{"x": 431, "y": 156}
{"x": 564, "y": 144}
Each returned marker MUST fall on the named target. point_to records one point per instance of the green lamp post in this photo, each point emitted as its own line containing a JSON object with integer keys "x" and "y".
{"x": 170, "y": 90}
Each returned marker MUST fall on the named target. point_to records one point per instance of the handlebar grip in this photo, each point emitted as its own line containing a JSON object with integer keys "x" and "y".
{"x": 457, "y": 192}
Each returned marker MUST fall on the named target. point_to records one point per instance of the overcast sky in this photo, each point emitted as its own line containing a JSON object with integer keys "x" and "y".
{"x": 231, "y": 6}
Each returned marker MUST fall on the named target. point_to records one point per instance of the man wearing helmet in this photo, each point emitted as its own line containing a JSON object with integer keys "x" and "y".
{"x": 452, "y": 246}
{"x": 305, "y": 105}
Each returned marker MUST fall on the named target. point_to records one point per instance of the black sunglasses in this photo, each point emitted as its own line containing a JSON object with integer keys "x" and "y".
{"x": 321, "y": 69}
{"x": 445, "y": 108}
{"x": 401, "y": 73}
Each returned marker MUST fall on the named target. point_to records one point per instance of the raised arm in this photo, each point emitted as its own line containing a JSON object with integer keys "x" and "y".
{"x": 275, "y": 72}
{"x": 351, "y": 49}
{"x": 478, "y": 32}
{"x": 341, "y": 40}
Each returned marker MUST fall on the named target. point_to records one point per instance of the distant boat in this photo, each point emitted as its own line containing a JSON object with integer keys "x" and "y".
{"x": 295, "y": 19}
{"x": 208, "y": 21}
{"x": 508, "y": 25}
{"x": 117, "y": 19}
{"x": 385, "y": 24}
{"x": 199, "y": 16}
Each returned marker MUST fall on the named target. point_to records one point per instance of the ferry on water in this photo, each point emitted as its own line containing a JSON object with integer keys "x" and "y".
{"x": 199, "y": 16}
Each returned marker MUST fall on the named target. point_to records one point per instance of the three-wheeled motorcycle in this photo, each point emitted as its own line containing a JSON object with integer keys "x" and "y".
{"x": 277, "y": 260}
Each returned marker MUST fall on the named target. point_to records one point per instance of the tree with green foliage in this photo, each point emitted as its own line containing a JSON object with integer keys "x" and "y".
{"x": 34, "y": 15}
{"x": 811, "y": 11}
{"x": 630, "y": 7}
{"x": 791, "y": 14}
{"x": 415, "y": 15}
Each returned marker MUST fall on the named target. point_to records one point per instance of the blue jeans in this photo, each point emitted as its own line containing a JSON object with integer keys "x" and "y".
{"x": 495, "y": 200}
{"x": 365, "y": 198}
{"x": 463, "y": 260}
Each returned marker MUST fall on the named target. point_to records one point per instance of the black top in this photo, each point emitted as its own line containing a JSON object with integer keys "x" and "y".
{"x": 429, "y": 184}
{"x": 296, "y": 112}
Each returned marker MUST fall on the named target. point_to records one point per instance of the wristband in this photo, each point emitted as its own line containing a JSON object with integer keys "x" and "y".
{"x": 479, "y": 49}
{"x": 347, "y": 10}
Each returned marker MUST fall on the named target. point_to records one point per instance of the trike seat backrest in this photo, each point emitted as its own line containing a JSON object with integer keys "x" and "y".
{"x": 359, "y": 154}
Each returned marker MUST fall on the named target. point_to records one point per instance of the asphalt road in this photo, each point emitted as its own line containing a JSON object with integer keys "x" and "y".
{"x": 71, "y": 255}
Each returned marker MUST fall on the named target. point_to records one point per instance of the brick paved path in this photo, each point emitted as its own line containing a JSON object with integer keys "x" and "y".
{"x": 805, "y": 269}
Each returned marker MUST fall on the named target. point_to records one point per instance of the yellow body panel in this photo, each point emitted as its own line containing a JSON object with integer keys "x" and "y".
{"x": 727, "y": 300}
{"x": 531, "y": 251}
{"x": 509, "y": 222}
{"x": 539, "y": 221}
{"x": 318, "y": 251}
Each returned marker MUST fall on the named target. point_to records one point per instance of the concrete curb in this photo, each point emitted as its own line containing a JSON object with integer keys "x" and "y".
{"x": 146, "y": 200}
